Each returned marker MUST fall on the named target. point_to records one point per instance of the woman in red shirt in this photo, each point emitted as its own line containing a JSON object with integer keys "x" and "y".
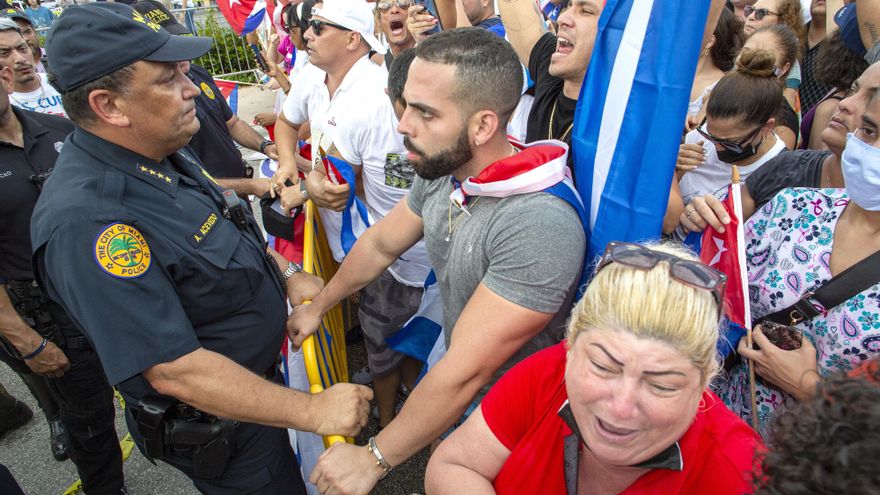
{"x": 622, "y": 406}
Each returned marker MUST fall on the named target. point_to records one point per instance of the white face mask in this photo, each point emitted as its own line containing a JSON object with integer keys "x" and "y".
{"x": 861, "y": 172}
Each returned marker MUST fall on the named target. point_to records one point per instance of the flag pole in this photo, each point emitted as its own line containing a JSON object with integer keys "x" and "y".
{"x": 737, "y": 202}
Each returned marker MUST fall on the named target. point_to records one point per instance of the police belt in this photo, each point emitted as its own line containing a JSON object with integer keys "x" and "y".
{"x": 169, "y": 426}
{"x": 172, "y": 427}
{"x": 36, "y": 310}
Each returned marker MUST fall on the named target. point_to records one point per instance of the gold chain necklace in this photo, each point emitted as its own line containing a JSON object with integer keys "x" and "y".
{"x": 450, "y": 225}
{"x": 550, "y": 125}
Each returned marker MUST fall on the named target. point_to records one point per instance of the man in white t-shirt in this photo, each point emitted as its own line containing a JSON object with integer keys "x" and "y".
{"x": 32, "y": 90}
{"x": 341, "y": 94}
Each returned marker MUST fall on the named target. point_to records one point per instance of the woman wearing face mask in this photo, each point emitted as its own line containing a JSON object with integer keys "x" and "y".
{"x": 738, "y": 129}
{"x": 622, "y": 405}
{"x": 794, "y": 244}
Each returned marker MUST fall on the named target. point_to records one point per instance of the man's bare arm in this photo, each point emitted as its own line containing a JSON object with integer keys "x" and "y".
{"x": 286, "y": 139}
{"x": 524, "y": 25}
{"x": 375, "y": 250}
{"x": 869, "y": 22}
{"x": 220, "y": 386}
{"x": 50, "y": 362}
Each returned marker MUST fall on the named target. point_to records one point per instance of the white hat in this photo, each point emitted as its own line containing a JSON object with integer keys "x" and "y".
{"x": 352, "y": 14}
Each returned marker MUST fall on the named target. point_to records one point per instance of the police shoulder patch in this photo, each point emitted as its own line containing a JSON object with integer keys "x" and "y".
{"x": 207, "y": 90}
{"x": 121, "y": 251}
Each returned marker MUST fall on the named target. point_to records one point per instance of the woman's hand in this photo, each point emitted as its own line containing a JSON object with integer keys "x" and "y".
{"x": 795, "y": 372}
{"x": 690, "y": 156}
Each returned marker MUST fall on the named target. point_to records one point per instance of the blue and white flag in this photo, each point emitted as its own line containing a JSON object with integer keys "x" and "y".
{"x": 421, "y": 338}
{"x": 639, "y": 82}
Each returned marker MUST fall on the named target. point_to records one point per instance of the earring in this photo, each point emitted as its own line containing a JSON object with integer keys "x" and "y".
{"x": 476, "y": 143}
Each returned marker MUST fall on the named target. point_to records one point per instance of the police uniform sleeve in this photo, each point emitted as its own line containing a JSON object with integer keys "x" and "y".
{"x": 535, "y": 247}
{"x": 106, "y": 278}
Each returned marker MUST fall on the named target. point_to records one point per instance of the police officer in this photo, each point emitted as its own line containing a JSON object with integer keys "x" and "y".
{"x": 220, "y": 129}
{"x": 167, "y": 273}
{"x": 39, "y": 340}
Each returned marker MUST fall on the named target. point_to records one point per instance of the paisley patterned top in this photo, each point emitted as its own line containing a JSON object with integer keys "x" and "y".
{"x": 788, "y": 247}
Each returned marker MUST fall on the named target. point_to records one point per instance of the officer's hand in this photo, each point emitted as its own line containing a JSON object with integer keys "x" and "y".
{"x": 50, "y": 362}
{"x": 302, "y": 323}
{"x": 271, "y": 151}
{"x": 690, "y": 156}
{"x": 303, "y": 287}
{"x": 347, "y": 469}
{"x": 704, "y": 211}
{"x": 325, "y": 193}
{"x": 341, "y": 409}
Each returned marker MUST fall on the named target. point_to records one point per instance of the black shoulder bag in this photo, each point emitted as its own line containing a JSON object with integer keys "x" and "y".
{"x": 832, "y": 293}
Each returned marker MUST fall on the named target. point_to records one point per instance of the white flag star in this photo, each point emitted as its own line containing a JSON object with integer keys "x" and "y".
{"x": 719, "y": 243}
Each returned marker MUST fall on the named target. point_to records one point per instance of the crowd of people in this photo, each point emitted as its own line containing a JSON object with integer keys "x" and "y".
{"x": 435, "y": 139}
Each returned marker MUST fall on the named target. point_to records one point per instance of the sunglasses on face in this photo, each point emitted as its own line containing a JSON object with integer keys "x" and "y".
{"x": 691, "y": 273}
{"x": 318, "y": 26}
{"x": 759, "y": 13}
{"x": 384, "y": 5}
{"x": 734, "y": 146}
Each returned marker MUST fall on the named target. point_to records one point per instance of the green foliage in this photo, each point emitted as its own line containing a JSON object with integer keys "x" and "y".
{"x": 230, "y": 52}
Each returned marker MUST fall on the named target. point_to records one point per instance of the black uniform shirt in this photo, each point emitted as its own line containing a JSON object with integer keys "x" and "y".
{"x": 141, "y": 257}
{"x": 20, "y": 169}
{"x": 213, "y": 143}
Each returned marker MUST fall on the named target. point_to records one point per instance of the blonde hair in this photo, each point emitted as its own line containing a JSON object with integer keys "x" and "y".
{"x": 652, "y": 305}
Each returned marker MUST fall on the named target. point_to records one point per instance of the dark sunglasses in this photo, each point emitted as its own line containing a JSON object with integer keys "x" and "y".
{"x": 759, "y": 13}
{"x": 384, "y": 5}
{"x": 318, "y": 26}
{"x": 692, "y": 273}
{"x": 734, "y": 146}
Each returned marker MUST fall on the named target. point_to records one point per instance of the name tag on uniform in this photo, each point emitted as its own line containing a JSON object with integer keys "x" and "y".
{"x": 206, "y": 228}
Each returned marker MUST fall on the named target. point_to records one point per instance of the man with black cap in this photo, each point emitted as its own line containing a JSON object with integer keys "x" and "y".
{"x": 37, "y": 339}
{"x": 220, "y": 128}
{"x": 145, "y": 252}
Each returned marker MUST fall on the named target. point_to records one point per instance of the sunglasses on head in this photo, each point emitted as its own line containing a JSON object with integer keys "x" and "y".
{"x": 318, "y": 26}
{"x": 734, "y": 146}
{"x": 759, "y": 13}
{"x": 384, "y": 5}
{"x": 689, "y": 272}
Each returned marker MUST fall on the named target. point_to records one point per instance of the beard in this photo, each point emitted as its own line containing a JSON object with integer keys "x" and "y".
{"x": 442, "y": 163}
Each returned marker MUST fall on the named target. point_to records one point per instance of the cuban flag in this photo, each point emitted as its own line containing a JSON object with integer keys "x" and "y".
{"x": 421, "y": 337}
{"x": 726, "y": 252}
{"x": 630, "y": 113}
{"x": 229, "y": 89}
{"x": 243, "y": 16}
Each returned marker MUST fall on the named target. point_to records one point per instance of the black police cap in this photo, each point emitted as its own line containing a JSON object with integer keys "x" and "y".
{"x": 156, "y": 12}
{"x": 90, "y": 41}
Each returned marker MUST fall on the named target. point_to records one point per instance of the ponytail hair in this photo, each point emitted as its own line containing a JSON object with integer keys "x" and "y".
{"x": 751, "y": 92}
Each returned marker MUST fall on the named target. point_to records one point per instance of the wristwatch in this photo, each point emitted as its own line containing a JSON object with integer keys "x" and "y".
{"x": 291, "y": 269}
{"x": 263, "y": 145}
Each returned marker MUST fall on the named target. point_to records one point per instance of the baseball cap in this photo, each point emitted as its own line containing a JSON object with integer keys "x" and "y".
{"x": 846, "y": 20}
{"x": 8, "y": 24}
{"x": 15, "y": 14}
{"x": 90, "y": 41}
{"x": 156, "y": 12}
{"x": 352, "y": 14}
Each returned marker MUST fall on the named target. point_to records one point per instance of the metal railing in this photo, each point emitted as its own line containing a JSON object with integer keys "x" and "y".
{"x": 229, "y": 58}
